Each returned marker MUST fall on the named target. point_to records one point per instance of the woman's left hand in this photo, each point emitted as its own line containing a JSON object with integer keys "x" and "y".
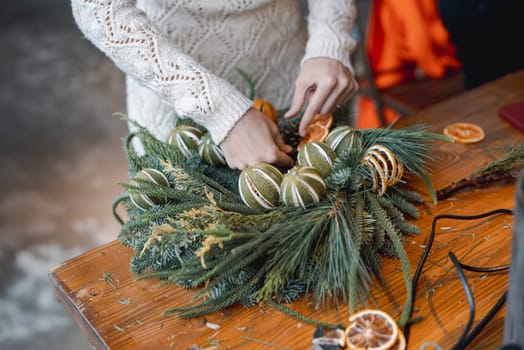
{"x": 326, "y": 83}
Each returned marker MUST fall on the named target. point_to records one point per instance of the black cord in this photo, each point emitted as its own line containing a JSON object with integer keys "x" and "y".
{"x": 484, "y": 269}
{"x": 471, "y": 301}
{"x": 465, "y": 338}
{"x": 480, "y": 326}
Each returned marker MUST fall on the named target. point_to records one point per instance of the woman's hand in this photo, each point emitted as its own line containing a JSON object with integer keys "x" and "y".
{"x": 254, "y": 139}
{"x": 328, "y": 83}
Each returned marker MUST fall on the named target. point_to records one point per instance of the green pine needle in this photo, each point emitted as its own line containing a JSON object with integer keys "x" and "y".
{"x": 205, "y": 236}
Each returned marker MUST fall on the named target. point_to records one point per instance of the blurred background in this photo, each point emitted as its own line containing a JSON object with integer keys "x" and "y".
{"x": 60, "y": 158}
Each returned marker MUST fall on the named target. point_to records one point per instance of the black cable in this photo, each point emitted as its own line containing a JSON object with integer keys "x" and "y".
{"x": 471, "y": 301}
{"x": 484, "y": 269}
{"x": 469, "y": 296}
{"x": 427, "y": 250}
{"x": 482, "y": 323}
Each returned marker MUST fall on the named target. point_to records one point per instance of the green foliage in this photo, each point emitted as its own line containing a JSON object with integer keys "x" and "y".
{"x": 513, "y": 159}
{"x": 204, "y": 236}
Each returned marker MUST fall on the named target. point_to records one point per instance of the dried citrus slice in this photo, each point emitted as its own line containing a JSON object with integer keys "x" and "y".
{"x": 393, "y": 168}
{"x": 381, "y": 180}
{"x": 266, "y": 108}
{"x": 371, "y": 330}
{"x": 325, "y": 120}
{"x": 314, "y": 133}
{"x": 401, "y": 342}
{"x": 464, "y": 132}
{"x": 317, "y": 130}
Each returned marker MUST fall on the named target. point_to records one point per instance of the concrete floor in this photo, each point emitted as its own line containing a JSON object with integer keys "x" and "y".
{"x": 60, "y": 156}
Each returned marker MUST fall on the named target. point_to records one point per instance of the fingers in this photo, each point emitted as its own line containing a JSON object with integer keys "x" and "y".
{"x": 326, "y": 98}
{"x": 255, "y": 139}
{"x": 336, "y": 97}
{"x": 277, "y": 157}
{"x": 281, "y": 144}
{"x": 316, "y": 101}
{"x": 345, "y": 89}
{"x": 283, "y": 161}
{"x": 299, "y": 98}
{"x": 350, "y": 91}
{"x": 348, "y": 94}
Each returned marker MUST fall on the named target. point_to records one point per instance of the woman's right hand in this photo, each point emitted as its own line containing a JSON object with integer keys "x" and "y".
{"x": 255, "y": 139}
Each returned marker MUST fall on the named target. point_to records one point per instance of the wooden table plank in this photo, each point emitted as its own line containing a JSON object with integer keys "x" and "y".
{"x": 128, "y": 314}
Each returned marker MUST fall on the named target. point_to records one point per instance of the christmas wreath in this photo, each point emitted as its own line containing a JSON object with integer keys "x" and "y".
{"x": 271, "y": 235}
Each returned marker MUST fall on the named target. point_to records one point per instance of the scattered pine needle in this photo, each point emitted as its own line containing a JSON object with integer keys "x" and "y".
{"x": 106, "y": 276}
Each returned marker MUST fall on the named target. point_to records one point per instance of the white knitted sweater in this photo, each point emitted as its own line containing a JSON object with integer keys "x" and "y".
{"x": 181, "y": 57}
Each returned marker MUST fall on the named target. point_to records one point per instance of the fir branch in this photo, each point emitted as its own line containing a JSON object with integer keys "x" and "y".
{"x": 162, "y": 274}
{"x": 353, "y": 269}
{"x": 513, "y": 158}
{"x": 402, "y": 204}
{"x": 199, "y": 183}
{"x": 405, "y": 227}
{"x": 362, "y": 233}
{"x": 169, "y": 210}
{"x": 240, "y": 257}
{"x": 503, "y": 169}
{"x": 116, "y": 202}
{"x": 328, "y": 247}
{"x": 161, "y": 150}
{"x": 399, "y": 249}
{"x": 371, "y": 258}
{"x": 222, "y": 301}
{"x": 135, "y": 163}
{"x": 301, "y": 317}
{"x": 477, "y": 181}
{"x": 407, "y": 194}
{"x": 293, "y": 291}
{"x": 154, "y": 190}
{"x": 341, "y": 273}
{"x": 292, "y": 241}
{"x": 380, "y": 222}
{"x": 393, "y": 213}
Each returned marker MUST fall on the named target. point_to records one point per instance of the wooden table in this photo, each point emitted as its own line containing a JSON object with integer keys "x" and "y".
{"x": 127, "y": 314}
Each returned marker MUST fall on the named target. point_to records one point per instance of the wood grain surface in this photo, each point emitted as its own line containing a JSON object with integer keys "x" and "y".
{"x": 123, "y": 313}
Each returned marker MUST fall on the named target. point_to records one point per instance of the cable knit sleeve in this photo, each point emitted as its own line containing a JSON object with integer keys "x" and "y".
{"x": 329, "y": 26}
{"x": 127, "y": 36}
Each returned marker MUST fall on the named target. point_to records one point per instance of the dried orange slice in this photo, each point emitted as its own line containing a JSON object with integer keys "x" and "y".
{"x": 401, "y": 342}
{"x": 464, "y": 132}
{"x": 372, "y": 330}
{"x": 317, "y": 130}
{"x": 266, "y": 108}
{"x": 325, "y": 120}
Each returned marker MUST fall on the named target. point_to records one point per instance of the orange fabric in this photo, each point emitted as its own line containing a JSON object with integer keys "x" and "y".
{"x": 404, "y": 35}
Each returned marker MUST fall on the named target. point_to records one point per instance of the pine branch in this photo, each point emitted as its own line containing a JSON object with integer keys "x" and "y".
{"x": 205, "y": 234}
{"x": 301, "y": 317}
{"x": 503, "y": 169}
{"x": 400, "y": 203}
{"x": 399, "y": 249}
{"x": 222, "y": 301}
{"x": 358, "y": 240}
{"x": 295, "y": 242}
{"x": 135, "y": 163}
{"x": 476, "y": 181}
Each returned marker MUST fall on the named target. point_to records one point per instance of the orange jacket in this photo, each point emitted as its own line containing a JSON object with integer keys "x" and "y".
{"x": 404, "y": 35}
